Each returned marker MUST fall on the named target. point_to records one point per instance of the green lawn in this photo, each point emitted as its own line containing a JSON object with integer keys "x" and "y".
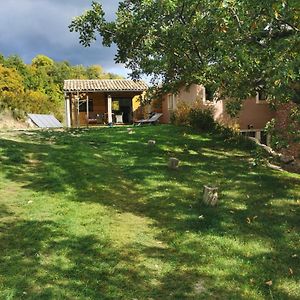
{"x": 96, "y": 214}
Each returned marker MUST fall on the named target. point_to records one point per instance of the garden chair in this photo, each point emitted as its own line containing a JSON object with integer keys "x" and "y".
{"x": 151, "y": 121}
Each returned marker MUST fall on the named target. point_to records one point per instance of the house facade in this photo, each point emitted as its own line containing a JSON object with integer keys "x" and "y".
{"x": 251, "y": 120}
{"x": 90, "y": 102}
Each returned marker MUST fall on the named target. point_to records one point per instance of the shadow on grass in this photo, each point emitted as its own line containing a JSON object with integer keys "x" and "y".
{"x": 40, "y": 261}
{"x": 121, "y": 172}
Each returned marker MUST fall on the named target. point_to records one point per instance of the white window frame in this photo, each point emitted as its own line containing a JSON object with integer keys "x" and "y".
{"x": 258, "y": 100}
{"x": 171, "y": 101}
{"x": 205, "y": 101}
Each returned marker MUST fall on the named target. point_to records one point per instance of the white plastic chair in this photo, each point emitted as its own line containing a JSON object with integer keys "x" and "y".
{"x": 119, "y": 118}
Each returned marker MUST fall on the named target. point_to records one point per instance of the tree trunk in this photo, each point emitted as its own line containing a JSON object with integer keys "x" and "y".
{"x": 173, "y": 163}
{"x": 210, "y": 195}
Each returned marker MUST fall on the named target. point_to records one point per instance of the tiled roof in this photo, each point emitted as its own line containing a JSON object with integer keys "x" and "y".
{"x": 111, "y": 85}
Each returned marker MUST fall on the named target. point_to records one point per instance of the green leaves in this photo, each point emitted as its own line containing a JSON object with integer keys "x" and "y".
{"x": 38, "y": 87}
{"x": 89, "y": 24}
{"x": 237, "y": 45}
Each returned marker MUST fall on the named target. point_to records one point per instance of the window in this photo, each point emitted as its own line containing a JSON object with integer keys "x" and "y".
{"x": 264, "y": 137}
{"x": 209, "y": 93}
{"x": 82, "y": 106}
{"x": 261, "y": 96}
{"x": 171, "y": 102}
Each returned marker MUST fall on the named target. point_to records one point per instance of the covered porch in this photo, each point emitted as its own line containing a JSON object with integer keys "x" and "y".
{"x": 96, "y": 102}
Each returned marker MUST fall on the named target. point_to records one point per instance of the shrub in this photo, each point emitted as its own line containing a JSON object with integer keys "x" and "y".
{"x": 278, "y": 141}
{"x": 227, "y": 131}
{"x": 180, "y": 116}
{"x": 201, "y": 118}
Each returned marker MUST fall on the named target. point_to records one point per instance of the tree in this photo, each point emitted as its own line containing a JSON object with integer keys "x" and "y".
{"x": 11, "y": 88}
{"x": 94, "y": 72}
{"x": 42, "y": 61}
{"x": 239, "y": 47}
{"x": 2, "y": 59}
{"x": 16, "y": 62}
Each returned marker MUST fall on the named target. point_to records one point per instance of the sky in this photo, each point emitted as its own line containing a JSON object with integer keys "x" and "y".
{"x": 32, "y": 27}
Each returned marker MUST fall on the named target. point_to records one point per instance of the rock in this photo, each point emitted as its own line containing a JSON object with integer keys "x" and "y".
{"x": 286, "y": 159}
{"x": 151, "y": 142}
{"x": 173, "y": 163}
{"x": 274, "y": 167}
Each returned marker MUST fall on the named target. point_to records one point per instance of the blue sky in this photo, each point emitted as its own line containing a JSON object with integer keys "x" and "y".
{"x": 31, "y": 27}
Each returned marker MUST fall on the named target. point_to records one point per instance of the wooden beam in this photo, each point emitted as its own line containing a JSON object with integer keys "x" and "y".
{"x": 109, "y": 109}
{"x": 67, "y": 110}
{"x": 78, "y": 115}
{"x": 87, "y": 110}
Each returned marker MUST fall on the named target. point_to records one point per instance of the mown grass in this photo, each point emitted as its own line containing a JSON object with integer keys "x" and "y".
{"x": 96, "y": 214}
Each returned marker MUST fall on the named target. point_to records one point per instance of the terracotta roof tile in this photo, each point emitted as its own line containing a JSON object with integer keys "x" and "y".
{"x": 109, "y": 85}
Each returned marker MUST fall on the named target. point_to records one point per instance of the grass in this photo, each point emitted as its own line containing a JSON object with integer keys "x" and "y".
{"x": 96, "y": 214}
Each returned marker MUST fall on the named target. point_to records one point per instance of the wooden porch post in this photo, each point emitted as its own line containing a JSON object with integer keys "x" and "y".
{"x": 87, "y": 110}
{"x": 67, "y": 110}
{"x": 78, "y": 115}
{"x": 109, "y": 109}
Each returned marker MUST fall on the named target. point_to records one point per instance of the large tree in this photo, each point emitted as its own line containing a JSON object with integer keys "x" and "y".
{"x": 238, "y": 46}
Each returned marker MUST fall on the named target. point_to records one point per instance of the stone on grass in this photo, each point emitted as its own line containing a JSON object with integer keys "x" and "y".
{"x": 210, "y": 195}
{"x": 286, "y": 159}
{"x": 151, "y": 142}
{"x": 173, "y": 163}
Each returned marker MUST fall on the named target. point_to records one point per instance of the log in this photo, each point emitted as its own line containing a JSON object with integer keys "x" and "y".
{"x": 265, "y": 147}
{"x": 210, "y": 195}
{"x": 173, "y": 163}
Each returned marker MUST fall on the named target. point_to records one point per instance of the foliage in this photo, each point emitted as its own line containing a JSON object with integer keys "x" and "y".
{"x": 201, "y": 118}
{"x": 38, "y": 87}
{"x": 193, "y": 115}
{"x": 238, "y": 46}
{"x": 11, "y": 88}
{"x": 180, "y": 116}
{"x": 285, "y": 131}
{"x": 110, "y": 221}
{"x": 294, "y": 125}
{"x": 277, "y": 140}
{"x": 42, "y": 61}
{"x": 233, "y": 107}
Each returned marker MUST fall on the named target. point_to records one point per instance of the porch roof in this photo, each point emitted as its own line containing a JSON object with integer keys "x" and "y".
{"x": 104, "y": 85}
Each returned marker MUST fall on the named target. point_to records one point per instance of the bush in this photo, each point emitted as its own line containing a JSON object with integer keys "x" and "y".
{"x": 227, "y": 131}
{"x": 202, "y": 118}
{"x": 278, "y": 140}
{"x": 181, "y": 115}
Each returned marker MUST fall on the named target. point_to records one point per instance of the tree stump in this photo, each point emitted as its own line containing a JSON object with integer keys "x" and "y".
{"x": 151, "y": 143}
{"x": 173, "y": 163}
{"x": 210, "y": 195}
